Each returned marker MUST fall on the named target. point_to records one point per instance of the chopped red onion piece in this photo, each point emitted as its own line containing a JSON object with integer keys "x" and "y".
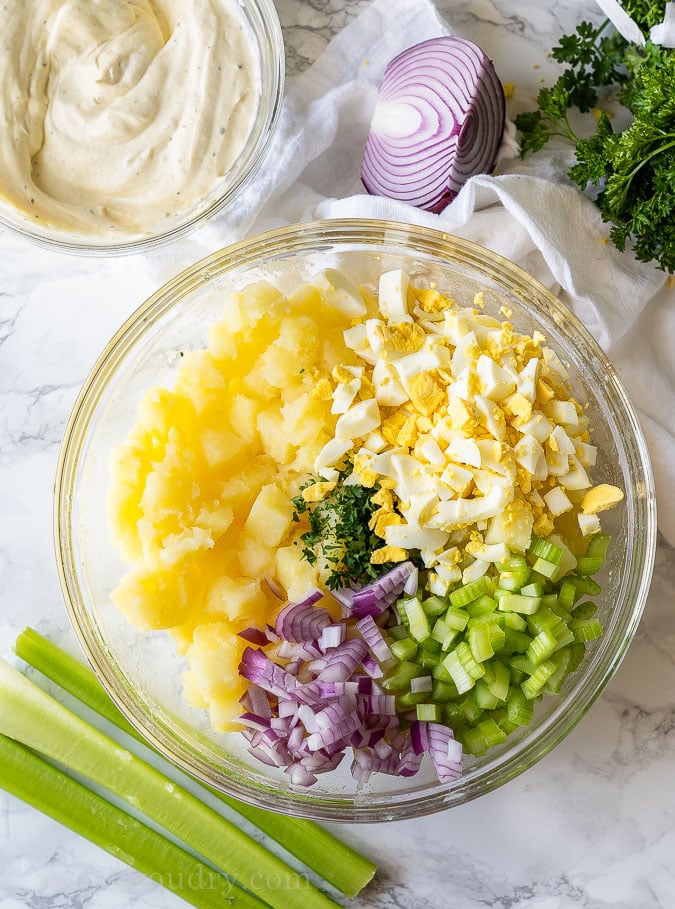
{"x": 254, "y": 636}
{"x": 422, "y": 684}
{"x": 255, "y": 722}
{"x": 301, "y": 621}
{"x": 374, "y": 639}
{"x": 299, "y": 776}
{"x": 339, "y": 664}
{"x": 372, "y": 667}
{"x": 443, "y": 751}
{"x": 332, "y": 636}
{"x": 375, "y": 598}
{"x": 419, "y": 737}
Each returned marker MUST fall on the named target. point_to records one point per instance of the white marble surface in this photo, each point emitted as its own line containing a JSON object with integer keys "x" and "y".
{"x": 591, "y": 825}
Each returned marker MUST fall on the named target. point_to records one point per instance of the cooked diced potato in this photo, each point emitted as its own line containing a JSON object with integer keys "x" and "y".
{"x": 271, "y": 515}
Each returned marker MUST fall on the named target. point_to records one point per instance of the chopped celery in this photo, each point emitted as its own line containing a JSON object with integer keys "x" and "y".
{"x": 33, "y": 718}
{"x": 585, "y": 629}
{"x": 428, "y": 659}
{"x": 533, "y": 589}
{"x": 400, "y": 679}
{"x": 584, "y": 610}
{"x": 479, "y": 643}
{"x": 456, "y": 619}
{"x": 316, "y": 847}
{"x": 533, "y": 685}
{"x": 515, "y": 602}
{"x": 543, "y": 549}
{"x": 548, "y": 569}
{"x": 589, "y": 564}
{"x": 443, "y": 692}
{"x": 434, "y": 606}
{"x": 515, "y": 641}
{"x": 598, "y": 545}
{"x": 497, "y": 678}
{"x": 29, "y": 777}
{"x": 519, "y": 709}
{"x": 541, "y": 647}
{"x": 491, "y": 732}
{"x": 418, "y": 620}
{"x": 468, "y": 593}
{"x": 481, "y": 605}
{"x": 483, "y": 697}
{"x": 429, "y": 713}
{"x": 404, "y": 649}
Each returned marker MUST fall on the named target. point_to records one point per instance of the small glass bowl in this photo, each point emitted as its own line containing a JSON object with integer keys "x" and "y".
{"x": 142, "y": 672}
{"x": 262, "y": 23}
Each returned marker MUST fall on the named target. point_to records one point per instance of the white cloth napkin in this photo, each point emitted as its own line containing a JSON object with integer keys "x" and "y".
{"x": 529, "y": 213}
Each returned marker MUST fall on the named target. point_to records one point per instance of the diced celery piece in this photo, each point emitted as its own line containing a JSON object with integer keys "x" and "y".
{"x": 418, "y": 621}
{"x": 483, "y": 697}
{"x": 443, "y": 633}
{"x": 514, "y": 621}
{"x": 404, "y": 649}
{"x": 430, "y": 645}
{"x": 481, "y": 606}
{"x": 542, "y": 549}
{"x": 468, "y": 593}
{"x": 470, "y": 709}
{"x": 410, "y": 699}
{"x": 491, "y": 732}
{"x": 598, "y": 545}
{"x": 429, "y": 658}
{"x": 472, "y": 741}
{"x": 456, "y": 619}
{"x": 441, "y": 674}
{"x": 520, "y": 661}
{"x": 453, "y": 715}
{"x": 519, "y": 709}
{"x": 429, "y": 713}
{"x": 400, "y": 679}
{"x": 567, "y": 594}
{"x": 589, "y": 564}
{"x": 513, "y": 579}
{"x": 533, "y": 685}
{"x": 443, "y": 692}
{"x": 500, "y": 679}
{"x": 544, "y": 620}
{"x": 541, "y": 647}
{"x": 398, "y": 632}
{"x": 548, "y": 569}
{"x": 562, "y": 659}
{"x": 480, "y": 643}
{"x": 434, "y": 605}
{"x": 584, "y": 610}
{"x": 585, "y": 629}
{"x": 462, "y": 666}
{"x": 515, "y": 641}
{"x": 514, "y": 602}
{"x": 533, "y": 589}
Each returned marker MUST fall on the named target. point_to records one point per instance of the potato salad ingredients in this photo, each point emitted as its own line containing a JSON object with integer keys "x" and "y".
{"x": 375, "y": 488}
{"x": 118, "y": 114}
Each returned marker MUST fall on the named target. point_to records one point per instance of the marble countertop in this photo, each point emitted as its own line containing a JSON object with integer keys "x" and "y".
{"x": 591, "y": 825}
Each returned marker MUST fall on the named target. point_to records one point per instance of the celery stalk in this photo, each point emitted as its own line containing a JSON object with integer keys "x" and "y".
{"x": 35, "y": 781}
{"x": 35, "y": 719}
{"x": 335, "y": 861}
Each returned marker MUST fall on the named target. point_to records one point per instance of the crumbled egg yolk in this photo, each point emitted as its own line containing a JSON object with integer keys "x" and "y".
{"x": 484, "y": 443}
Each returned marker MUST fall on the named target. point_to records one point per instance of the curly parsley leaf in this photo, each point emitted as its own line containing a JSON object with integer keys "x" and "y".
{"x": 339, "y": 536}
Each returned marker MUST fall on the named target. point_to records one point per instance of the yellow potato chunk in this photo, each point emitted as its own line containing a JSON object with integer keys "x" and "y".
{"x": 239, "y": 600}
{"x": 213, "y": 680}
{"x": 271, "y": 515}
{"x": 293, "y": 572}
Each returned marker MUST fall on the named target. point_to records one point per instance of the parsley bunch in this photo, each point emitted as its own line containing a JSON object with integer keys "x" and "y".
{"x": 339, "y": 533}
{"x": 633, "y": 171}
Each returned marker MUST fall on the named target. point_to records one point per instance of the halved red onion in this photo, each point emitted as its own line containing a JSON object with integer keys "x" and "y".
{"x": 439, "y": 119}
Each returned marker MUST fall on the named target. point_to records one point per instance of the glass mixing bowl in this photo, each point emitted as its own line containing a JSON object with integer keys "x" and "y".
{"x": 141, "y": 671}
{"x": 261, "y": 22}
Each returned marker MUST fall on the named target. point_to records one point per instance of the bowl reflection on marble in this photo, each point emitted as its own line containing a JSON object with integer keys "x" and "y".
{"x": 142, "y": 671}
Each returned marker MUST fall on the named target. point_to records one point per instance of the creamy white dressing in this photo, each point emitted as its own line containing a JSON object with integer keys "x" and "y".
{"x": 115, "y": 115}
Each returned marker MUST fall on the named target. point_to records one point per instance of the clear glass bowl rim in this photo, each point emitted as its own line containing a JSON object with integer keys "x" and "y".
{"x": 282, "y": 242}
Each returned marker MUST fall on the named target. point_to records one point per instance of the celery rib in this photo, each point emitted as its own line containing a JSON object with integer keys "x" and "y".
{"x": 35, "y": 781}
{"x": 33, "y": 718}
{"x": 336, "y": 862}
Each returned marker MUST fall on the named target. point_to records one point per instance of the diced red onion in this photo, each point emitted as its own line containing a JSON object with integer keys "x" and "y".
{"x": 444, "y": 750}
{"x": 254, "y": 636}
{"x": 332, "y": 636}
{"x": 301, "y": 621}
{"x": 275, "y": 587}
{"x": 299, "y": 776}
{"x": 373, "y": 637}
{"x": 422, "y": 684}
{"x": 375, "y": 598}
{"x": 372, "y": 667}
{"x": 340, "y": 663}
{"x": 439, "y": 120}
{"x": 255, "y": 722}
{"x": 419, "y": 737}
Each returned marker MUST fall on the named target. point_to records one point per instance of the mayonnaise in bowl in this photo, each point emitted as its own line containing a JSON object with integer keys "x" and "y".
{"x": 119, "y": 116}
